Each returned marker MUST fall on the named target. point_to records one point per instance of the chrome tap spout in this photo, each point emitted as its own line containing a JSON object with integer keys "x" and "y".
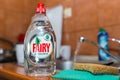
{"x": 82, "y": 39}
{"x": 114, "y": 40}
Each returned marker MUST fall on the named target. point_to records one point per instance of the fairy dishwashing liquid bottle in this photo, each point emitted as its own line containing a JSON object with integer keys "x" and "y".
{"x": 40, "y": 45}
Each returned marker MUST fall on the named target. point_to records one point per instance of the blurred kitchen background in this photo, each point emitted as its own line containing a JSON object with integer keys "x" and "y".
{"x": 80, "y": 18}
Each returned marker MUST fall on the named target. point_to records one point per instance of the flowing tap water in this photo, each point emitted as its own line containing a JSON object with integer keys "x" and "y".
{"x": 77, "y": 50}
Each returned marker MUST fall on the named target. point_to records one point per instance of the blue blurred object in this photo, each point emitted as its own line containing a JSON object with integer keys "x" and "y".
{"x": 103, "y": 42}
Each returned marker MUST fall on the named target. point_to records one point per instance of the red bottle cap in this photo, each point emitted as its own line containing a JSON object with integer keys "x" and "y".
{"x": 40, "y": 8}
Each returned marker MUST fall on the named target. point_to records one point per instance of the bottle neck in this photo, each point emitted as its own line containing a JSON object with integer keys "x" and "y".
{"x": 42, "y": 13}
{"x": 42, "y": 19}
{"x": 39, "y": 16}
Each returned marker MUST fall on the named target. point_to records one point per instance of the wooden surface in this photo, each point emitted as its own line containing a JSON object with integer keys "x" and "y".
{"x": 11, "y": 71}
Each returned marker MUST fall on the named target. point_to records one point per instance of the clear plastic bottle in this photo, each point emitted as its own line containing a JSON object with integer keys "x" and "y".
{"x": 40, "y": 45}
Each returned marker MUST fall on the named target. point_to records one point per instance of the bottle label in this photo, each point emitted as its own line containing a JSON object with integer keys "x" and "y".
{"x": 103, "y": 56}
{"x": 41, "y": 46}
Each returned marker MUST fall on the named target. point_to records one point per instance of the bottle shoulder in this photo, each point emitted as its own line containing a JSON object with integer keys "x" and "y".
{"x": 40, "y": 25}
{"x": 102, "y": 33}
{"x": 39, "y": 17}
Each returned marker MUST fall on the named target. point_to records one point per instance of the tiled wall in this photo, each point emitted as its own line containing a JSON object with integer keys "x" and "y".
{"x": 87, "y": 17}
{"x": 14, "y": 18}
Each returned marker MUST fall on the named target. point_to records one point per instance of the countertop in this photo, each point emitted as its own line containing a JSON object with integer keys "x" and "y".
{"x": 11, "y": 71}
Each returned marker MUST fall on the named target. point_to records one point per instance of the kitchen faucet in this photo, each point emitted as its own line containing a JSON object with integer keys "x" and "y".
{"x": 82, "y": 39}
{"x": 115, "y": 40}
{"x": 7, "y": 55}
{"x": 7, "y": 41}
